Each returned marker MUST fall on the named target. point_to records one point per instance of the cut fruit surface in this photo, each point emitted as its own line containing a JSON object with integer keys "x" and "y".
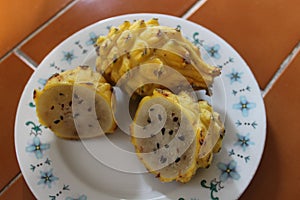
{"x": 172, "y": 151}
{"x": 76, "y": 104}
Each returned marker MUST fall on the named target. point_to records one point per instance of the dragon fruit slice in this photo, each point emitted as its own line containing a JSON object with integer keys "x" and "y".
{"x": 174, "y": 151}
{"x": 74, "y": 103}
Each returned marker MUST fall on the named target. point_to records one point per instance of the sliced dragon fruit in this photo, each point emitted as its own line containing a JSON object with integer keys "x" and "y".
{"x": 76, "y": 104}
{"x": 174, "y": 151}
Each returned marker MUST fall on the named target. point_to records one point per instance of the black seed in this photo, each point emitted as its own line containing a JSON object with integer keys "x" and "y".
{"x": 157, "y": 145}
{"x": 208, "y": 166}
{"x": 84, "y": 67}
{"x": 163, "y": 131}
{"x": 76, "y": 96}
{"x": 52, "y": 107}
{"x": 61, "y": 94}
{"x": 171, "y": 132}
{"x": 158, "y": 33}
{"x": 173, "y": 114}
{"x": 181, "y": 138}
{"x": 175, "y": 119}
{"x": 76, "y": 115}
{"x": 80, "y": 102}
{"x": 151, "y": 109}
{"x": 61, "y": 118}
{"x": 70, "y": 103}
{"x": 62, "y": 106}
{"x": 178, "y": 123}
{"x": 166, "y": 145}
{"x": 159, "y": 117}
{"x": 208, "y": 158}
{"x": 163, "y": 159}
{"x": 144, "y": 52}
{"x": 89, "y": 109}
{"x": 115, "y": 59}
{"x": 56, "y": 121}
{"x": 177, "y": 160}
{"x": 128, "y": 55}
{"x": 149, "y": 120}
{"x": 201, "y": 141}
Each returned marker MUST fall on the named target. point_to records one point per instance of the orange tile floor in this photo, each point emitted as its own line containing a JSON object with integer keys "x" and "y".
{"x": 265, "y": 33}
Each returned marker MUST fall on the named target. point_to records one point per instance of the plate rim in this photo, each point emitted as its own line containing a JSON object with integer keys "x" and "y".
{"x": 82, "y": 30}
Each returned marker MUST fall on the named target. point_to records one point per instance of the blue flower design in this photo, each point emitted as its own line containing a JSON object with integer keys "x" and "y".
{"x": 37, "y": 147}
{"x": 244, "y": 106}
{"x": 243, "y": 141}
{"x": 235, "y": 76}
{"x": 42, "y": 81}
{"x": 213, "y": 51}
{"x": 228, "y": 171}
{"x": 68, "y": 56}
{"x": 92, "y": 40}
{"x": 82, "y": 197}
{"x": 47, "y": 178}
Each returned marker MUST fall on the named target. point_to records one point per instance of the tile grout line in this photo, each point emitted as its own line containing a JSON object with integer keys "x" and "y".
{"x": 39, "y": 29}
{"x": 11, "y": 182}
{"x": 281, "y": 69}
{"x": 193, "y": 9}
{"x": 30, "y": 63}
{"x": 26, "y": 59}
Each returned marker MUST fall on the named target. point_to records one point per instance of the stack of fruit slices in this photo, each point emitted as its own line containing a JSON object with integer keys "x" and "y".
{"x": 174, "y": 134}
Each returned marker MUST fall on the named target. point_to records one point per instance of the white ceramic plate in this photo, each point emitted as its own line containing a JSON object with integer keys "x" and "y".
{"x": 60, "y": 169}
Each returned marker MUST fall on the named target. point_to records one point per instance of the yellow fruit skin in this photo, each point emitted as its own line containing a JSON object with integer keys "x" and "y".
{"x": 65, "y": 82}
{"x": 141, "y": 41}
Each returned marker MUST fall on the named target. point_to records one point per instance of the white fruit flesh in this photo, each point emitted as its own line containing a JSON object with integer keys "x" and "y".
{"x": 74, "y": 108}
{"x": 170, "y": 153}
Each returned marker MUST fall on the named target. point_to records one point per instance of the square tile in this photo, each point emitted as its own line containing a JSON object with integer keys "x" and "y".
{"x": 263, "y": 32}
{"x": 278, "y": 176}
{"x": 18, "y": 191}
{"x": 13, "y": 78}
{"x": 86, "y": 12}
{"x": 20, "y": 18}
